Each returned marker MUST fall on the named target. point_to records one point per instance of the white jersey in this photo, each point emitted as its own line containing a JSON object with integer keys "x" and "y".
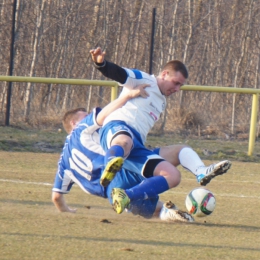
{"x": 140, "y": 113}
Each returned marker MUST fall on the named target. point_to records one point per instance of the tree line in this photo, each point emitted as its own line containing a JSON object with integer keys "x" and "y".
{"x": 218, "y": 40}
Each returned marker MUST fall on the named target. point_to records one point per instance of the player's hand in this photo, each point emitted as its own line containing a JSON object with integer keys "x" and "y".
{"x": 140, "y": 91}
{"x": 97, "y": 55}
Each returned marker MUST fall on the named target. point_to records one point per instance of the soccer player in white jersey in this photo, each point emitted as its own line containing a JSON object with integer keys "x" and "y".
{"x": 82, "y": 162}
{"x": 124, "y": 133}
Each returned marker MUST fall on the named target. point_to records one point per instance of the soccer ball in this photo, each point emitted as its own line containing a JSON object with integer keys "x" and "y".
{"x": 200, "y": 202}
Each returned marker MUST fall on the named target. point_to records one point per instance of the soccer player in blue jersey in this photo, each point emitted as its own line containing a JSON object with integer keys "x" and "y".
{"x": 82, "y": 162}
{"x": 124, "y": 133}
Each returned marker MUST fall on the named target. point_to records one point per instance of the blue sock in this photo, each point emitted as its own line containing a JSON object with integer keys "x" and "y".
{"x": 114, "y": 151}
{"x": 148, "y": 188}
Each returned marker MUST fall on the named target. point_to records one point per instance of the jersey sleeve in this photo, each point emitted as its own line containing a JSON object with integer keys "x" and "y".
{"x": 91, "y": 121}
{"x": 128, "y": 78}
{"x": 62, "y": 182}
{"x": 112, "y": 71}
{"x": 137, "y": 77}
{"x": 95, "y": 112}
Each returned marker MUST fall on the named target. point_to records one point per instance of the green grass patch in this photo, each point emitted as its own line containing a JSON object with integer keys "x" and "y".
{"x": 51, "y": 141}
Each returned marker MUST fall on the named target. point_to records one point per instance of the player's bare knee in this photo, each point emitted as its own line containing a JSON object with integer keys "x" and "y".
{"x": 174, "y": 179}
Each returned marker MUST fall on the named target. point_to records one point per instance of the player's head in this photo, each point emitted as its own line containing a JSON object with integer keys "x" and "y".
{"x": 72, "y": 118}
{"x": 172, "y": 76}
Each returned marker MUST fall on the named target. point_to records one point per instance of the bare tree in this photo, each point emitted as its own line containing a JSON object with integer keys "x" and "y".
{"x": 36, "y": 39}
{"x": 240, "y": 58}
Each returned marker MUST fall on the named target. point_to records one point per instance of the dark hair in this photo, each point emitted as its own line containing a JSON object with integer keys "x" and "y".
{"x": 176, "y": 65}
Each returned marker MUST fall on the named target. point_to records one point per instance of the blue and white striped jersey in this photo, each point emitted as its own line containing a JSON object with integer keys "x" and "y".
{"x": 82, "y": 159}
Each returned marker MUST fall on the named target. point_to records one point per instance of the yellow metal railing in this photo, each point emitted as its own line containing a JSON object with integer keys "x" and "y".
{"x": 114, "y": 93}
{"x": 112, "y": 84}
{"x": 254, "y": 111}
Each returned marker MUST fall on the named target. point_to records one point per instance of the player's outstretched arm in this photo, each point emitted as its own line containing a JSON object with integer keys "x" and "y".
{"x": 108, "y": 69}
{"x": 60, "y": 203}
{"x": 121, "y": 100}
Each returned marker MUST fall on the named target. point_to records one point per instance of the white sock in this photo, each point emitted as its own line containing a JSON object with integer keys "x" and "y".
{"x": 163, "y": 214}
{"x": 167, "y": 214}
{"x": 190, "y": 160}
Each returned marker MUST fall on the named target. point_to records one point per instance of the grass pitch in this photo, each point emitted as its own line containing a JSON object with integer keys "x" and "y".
{"x": 31, "y": 227}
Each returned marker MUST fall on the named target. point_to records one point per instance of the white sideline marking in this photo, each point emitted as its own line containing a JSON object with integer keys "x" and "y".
{"x": 26, "y": 182}
{"x": 172, "y": 191}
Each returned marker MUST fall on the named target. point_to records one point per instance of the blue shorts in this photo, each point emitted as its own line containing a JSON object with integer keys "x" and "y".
{"x": 125, "y": 180}
{"x": 139, "y": 155}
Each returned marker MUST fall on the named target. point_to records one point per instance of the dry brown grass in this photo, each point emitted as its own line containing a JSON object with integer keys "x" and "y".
{"x": 31, "y": 228}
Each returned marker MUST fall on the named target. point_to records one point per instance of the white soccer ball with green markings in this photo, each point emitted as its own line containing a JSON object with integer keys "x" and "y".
{"x": 200, "y": 202}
